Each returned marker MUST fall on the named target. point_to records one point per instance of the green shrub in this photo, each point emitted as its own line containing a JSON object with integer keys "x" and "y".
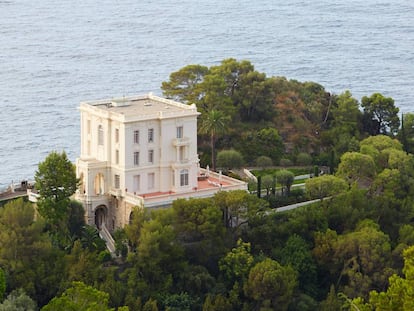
{"x": 285, "y": 162}
{"x": 303, "y": 159}
{"x": 228, "y": 159}
{"x": 104, "y": 256}
{"x": 263, "y": 162}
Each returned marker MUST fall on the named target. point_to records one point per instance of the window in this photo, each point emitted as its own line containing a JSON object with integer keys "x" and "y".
{"x": 136, "y": 158}
{"x": 136, "y": 137}
{"x": 173, "y": 178}
{"x": 137, "y": 182}
{"x": 116, "y": 135}
{"x": 182, "y": 154}
{"x": 117, "y": 156}
{"x": 151, "y": 180}
{"x": 150, "y": 135}
{"x": 179, "y": 132}
{"x": 151, "y": 156}
{"x": 100, "y": 135}
{"x": 184, "y": 178}
{"x": 117, "y": 184}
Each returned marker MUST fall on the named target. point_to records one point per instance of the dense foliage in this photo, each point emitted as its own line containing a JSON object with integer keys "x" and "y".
{"x": 231, "y": 252}
{"x": 354, "y": 249}
{"x": 55, "y": 182}
{"x": 276, "y": 117}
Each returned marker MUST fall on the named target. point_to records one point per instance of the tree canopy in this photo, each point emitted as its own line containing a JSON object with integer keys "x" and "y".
{"x": 56, "y": 178}
{"x": 356, "y": 167}
{"x": 231, "y": 251}
{"x": 382, "y": 114}
{"x": 213, "y": 123}
{"x": 274, "y": 116}
{"x": 26, "y": 251}
{"x": 55, "y": 181}
{"x": 229, "y": 159}
{"x": 271, "y": 284}
{"x": 399, "y": 295}
{"x": 80, "y": 297}
{"x": 325, "y": 186}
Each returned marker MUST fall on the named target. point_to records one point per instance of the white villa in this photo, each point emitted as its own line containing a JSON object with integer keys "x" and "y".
{"x": 140, "y": 151}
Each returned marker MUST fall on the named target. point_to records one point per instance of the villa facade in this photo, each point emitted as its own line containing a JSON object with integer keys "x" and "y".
{"x": 140, "y": 151}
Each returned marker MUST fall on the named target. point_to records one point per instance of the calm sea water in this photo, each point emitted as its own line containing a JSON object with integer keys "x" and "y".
{"x": 56, "y": 53}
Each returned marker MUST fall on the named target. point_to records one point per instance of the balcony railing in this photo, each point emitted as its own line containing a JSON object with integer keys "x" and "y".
{"x": 177, "y": 142}
{"x": 116, "y": 192}
{"x": 134, "y": 199}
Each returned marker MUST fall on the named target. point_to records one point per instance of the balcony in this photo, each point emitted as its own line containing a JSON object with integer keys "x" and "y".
{"x": 178, "y": 142}
{"x": 116, "y": 192}
{"x": 183, "y": 163}
{"x": 134, "y": 199}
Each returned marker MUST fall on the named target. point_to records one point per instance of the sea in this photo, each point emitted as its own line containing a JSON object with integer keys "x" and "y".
{"x": 56, "y": 53}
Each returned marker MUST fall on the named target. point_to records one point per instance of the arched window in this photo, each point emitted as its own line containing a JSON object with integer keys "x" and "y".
{"x": 184, "y": 178}
{"x": 100, "y": 135}
{"x": 99, "y": 184}
{"x": 82, "y": 184}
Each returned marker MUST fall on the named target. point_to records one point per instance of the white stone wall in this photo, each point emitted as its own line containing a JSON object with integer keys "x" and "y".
{"x": 98, "y": 164}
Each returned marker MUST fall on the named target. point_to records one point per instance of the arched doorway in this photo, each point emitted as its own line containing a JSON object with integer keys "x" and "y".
{"x": 101, "y": 214}
{"x": 131, "y": 217}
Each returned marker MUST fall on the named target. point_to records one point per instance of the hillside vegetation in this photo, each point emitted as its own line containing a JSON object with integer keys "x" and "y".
{"x": 352, "y": 251}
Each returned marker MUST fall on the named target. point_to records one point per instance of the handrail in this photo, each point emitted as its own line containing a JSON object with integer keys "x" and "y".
{"x": 107, "y": 237}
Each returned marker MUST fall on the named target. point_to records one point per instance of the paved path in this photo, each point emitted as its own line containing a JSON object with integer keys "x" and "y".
{"x": 12, "y": 195}
{"x": 293, "y": 206}
{"x": 296, "y": 205}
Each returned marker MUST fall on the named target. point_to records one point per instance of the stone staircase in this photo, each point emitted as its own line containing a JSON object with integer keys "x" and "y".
{"x": 107, "y": 237}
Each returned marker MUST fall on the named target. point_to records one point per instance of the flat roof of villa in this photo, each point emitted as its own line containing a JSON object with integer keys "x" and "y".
{"x": 143, "y": 105}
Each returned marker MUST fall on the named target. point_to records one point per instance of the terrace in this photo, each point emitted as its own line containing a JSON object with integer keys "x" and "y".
{"x": 208, "y": 184}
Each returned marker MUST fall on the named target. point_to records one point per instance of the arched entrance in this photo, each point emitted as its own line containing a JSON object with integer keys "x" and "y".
{"x": 131, "y": 217}
{"x": 101, "y": 214}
